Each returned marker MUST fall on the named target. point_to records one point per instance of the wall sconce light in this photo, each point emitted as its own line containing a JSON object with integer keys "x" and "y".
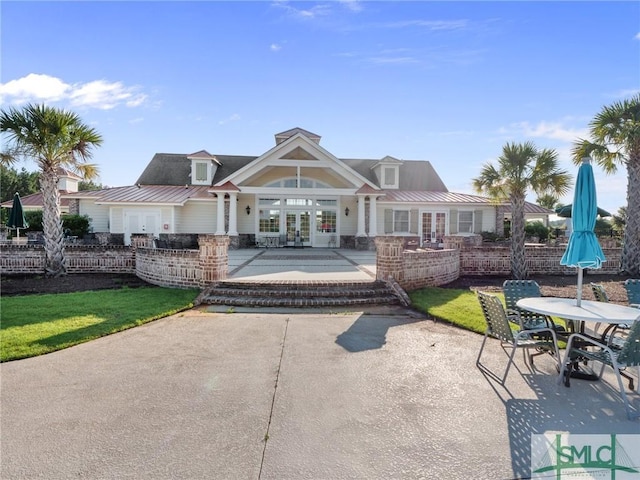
{"x": 248, "y": 209}
{"x": 346, "y": 212}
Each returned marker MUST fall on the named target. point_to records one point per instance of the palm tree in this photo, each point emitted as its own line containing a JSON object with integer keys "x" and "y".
{"x": 619, "y": 220}
{"x": 52, "y": 138}
{"x": 615, "y": 133}
{"x": 548, "y": 201}
{"x": 521, "y": 167}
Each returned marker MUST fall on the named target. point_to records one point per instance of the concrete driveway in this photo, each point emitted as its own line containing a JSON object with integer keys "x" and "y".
{"x": 303, "y": 395}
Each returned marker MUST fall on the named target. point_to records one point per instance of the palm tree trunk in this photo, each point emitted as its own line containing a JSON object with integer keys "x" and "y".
{"x": 630, "y": 262}
{"x": 518, "y": 258}
{"x": 52, "y": 225}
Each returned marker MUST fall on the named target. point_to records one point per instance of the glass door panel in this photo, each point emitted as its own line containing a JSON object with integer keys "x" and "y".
{"x": 433, "y": 227}
{"x": 298, "y": 228}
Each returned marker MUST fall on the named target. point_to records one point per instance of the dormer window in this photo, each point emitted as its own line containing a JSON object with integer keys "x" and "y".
{"x": 203, "y": 167}
{"x": 390, "y": 177}
{"x": 387, "y": 171}
{"x": 202, "y": 173}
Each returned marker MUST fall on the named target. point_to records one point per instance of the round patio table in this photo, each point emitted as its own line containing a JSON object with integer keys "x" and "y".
{"x": 588, "y": 311}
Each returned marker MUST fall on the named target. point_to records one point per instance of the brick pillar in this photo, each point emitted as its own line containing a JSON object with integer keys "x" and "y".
{"x": 389, "y": 258}
{"x": 74, "y": 206}
{"x": 214, "y": 258}
{"x": 141, "y": 240}
{"x": 500, "y": 209}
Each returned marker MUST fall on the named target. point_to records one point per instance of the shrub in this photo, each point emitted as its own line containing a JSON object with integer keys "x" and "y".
{"x": 537, "y": 229}
{"x": 34, "y": 217}
{"x": 489, "y": 236}
{"x": 76, "y": 225}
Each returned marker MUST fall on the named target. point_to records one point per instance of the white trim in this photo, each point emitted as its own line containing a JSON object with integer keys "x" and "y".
{"x": 270, "y": 158}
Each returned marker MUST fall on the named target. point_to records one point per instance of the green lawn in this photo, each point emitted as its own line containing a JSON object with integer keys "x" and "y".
{"x": 32, "y": 325}
{"x": 37, "y": 324}
{"x": 459, "y": 307}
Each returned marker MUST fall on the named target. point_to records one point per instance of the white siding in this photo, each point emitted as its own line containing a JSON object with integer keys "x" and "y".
{"x": 99, "y": 215}
{"x": 348, "y": 225}
{"x": 488, "y": 219}
{"x": 117, "y": 220}
{"x": 196, "y": 217}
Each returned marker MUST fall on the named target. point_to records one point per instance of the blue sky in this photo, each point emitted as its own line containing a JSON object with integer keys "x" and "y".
{"x": 449, "y": 82}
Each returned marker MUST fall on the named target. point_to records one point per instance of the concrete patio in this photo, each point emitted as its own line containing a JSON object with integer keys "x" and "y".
{"x": 383, "y": 393}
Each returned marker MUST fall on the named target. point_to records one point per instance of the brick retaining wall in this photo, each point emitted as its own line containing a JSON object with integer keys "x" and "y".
{"x": 99, "y": 259}
{"x": 413, "y": 269}
{"x": 168, "y": 267}
{"x": 30, "y": 259}
{"x": 541, "y": 260}
{"x": 429, "y": 268}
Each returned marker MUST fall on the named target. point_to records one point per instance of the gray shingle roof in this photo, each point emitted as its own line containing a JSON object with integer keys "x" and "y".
{"x": 414, "y": 175}
{"x": 175, "y": 168}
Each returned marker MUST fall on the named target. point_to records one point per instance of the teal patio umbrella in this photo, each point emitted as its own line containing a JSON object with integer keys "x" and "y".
{"x": 583, "y": 250}
{"x": 16, "y": 217}
{"x": 565, "y": 211}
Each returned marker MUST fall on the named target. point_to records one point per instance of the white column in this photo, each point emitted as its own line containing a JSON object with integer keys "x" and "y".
{"x": 373, "y": 218}
{"x": 220, "y": 219}
{"x": 233, "y": 214}
{"x": 361, "y": 231}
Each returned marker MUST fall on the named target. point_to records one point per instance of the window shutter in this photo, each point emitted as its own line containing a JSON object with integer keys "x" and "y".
{"x": 453, "y": 221}
{"x": 388, "y": 220}
{"x": 413, "y": 221}
{"x": 477, "y": 221}
{"x": 201, "y": 172}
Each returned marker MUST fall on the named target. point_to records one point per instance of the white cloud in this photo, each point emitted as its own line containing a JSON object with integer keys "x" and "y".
{"x": 274, "y": 47}
{"x": 98, "y": 94}
{"x": 33, "y": 87}
{"x": 104, "y": 95}
{"x": 637, "y": 37}
{"x": 625, "y": 93}
{"x": 353, "y": 5}
{"x": 550, "y": 130}
{"x": 320, "y": 10}
{"x": 393, "y": 60}
{"x": 233, "y": 118}
{"x": 433, "y": 25}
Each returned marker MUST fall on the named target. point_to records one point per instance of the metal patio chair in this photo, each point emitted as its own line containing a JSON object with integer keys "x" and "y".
{"x": 618, "y": 359}
{"x": 515, "y": 290}
{"x": 609, "y": 335}
{"x": 499, "y": 326}
{"x": 632, "y": 286}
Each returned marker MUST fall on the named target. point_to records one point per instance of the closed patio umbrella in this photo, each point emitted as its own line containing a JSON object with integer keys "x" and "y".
{"x": 583, "y": 250}
{"x": 16, "y": 217}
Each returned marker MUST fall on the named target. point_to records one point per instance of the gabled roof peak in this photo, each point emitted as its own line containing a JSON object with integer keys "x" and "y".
{"x": 63, "y": 172}
{"x": 388, "y": 160}
{"x": 287, "y": 134}
{"x": 202, "y": 155}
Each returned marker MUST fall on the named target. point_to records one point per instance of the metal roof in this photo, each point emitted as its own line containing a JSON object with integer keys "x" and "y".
{"x": 148, "y": 194}
{"x": 431, "y": 197}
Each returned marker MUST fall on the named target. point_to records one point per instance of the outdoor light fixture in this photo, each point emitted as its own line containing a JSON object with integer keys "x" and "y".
{"x": 346, "y": 212}
{"x": 248, "y": 209}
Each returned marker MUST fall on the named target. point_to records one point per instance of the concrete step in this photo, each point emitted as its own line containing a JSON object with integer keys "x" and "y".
{"x": 299, "y": 294}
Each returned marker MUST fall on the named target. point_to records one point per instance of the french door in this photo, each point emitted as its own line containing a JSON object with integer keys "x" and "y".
{"x": 298, "y": 227}
{"x": 141, "y": 221}
{"x": 433, "y": 226}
